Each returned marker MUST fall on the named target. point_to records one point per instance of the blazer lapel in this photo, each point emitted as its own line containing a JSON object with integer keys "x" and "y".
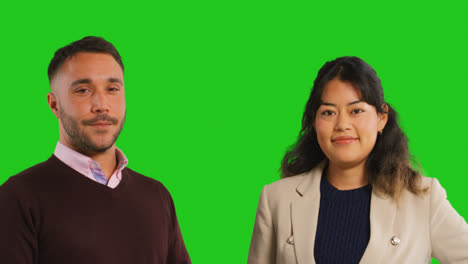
{"x": 382, "y": 218}
{"x": 304, "y": 215}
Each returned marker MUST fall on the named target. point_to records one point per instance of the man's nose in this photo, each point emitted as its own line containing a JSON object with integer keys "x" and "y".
{"x": 99, "y": 103}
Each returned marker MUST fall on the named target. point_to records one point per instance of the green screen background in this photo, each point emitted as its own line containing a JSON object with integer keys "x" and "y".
{"x": 216, "y": 90}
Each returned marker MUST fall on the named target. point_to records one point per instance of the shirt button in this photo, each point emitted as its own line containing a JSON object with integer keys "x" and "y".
{"x": 290, "y": 240}
{"x": 395, "y": 240}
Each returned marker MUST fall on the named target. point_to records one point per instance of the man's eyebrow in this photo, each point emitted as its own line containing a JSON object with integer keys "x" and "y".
{"x": 330, "y": 104}
{"x": 117, "y": 80}
{"x": 88, "y": 81}
{"x": 81, "y": 81}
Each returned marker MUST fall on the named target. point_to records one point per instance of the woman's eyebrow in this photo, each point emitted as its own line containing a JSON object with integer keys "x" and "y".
{"x": 355, "y": 102}
{"x": 331, "y": 104}
{"x": 325, "y": 103}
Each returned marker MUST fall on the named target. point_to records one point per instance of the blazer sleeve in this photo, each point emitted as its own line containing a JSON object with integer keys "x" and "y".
{"x": 449, "y": 231}
{"x": 262, "y": 247}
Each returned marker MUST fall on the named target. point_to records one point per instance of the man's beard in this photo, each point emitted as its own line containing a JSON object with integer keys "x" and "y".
{"x": 80, "y": 140}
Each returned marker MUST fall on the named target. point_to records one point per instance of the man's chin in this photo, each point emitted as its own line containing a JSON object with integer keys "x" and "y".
{"x": 101, "y": 148}
{"x": 96, "y": 147}
{"x": 99, "y": 142}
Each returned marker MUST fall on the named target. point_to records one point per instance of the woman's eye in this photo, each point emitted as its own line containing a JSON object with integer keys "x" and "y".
{"x": 357, "y": 111}
{"x": 327, "y": 113}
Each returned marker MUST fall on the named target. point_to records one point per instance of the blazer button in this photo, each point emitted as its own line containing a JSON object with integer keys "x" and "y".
{"x": 395, "y": 240}
{"x": 290, "y": 240}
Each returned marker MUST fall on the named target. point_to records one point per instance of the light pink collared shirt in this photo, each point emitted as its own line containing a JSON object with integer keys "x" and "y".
{"x": 83, "y": 164}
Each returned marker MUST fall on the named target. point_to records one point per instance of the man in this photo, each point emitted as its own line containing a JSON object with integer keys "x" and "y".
{"x": 83, "y": 205}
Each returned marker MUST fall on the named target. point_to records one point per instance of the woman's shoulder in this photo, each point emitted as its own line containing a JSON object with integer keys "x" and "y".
{"x": 430, "y": 187}
{"x": 278, "y": 195}
{"x": 287, "y": 184}
{"x": 293, "y": 186}
{"x": 430, "y": 191}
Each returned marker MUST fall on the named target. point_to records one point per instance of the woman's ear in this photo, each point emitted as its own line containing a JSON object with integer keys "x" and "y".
{"x": 383, "y": 117}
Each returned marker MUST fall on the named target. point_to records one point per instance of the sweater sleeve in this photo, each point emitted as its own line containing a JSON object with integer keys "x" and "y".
{"x": 18, "y": 236}
{"x": 177, "y": 253}
{"x": 449, "y": 231}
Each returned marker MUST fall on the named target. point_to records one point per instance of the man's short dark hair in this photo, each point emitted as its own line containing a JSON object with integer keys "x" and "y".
{"x": 86, "y": 44}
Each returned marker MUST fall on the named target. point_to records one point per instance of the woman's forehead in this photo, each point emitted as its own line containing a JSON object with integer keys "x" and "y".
{"x": 340, "y": 92}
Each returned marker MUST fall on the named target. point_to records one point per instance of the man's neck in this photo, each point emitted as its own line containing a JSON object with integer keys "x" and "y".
{"x": 107, "y": 159}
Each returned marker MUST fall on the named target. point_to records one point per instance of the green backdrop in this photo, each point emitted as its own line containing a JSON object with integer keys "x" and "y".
{"x": 216, "y": 90}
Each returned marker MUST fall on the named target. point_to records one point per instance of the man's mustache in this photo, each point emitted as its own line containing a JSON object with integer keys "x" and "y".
{"x": 100, "y": 117}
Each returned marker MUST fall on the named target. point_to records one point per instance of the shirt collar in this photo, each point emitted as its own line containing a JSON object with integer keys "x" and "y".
{"x": 82, "y": 163}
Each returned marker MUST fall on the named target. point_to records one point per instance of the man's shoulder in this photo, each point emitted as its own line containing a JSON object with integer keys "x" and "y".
{"x": 143, "y": 180}
{"x": 31, "y": 174}
{"x": 29, "y": 180}
{"x": 148, "y": 187}
{"x": 139, "y": 176}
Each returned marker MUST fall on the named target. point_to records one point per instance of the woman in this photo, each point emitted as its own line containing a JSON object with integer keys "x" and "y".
{"x": 349, "y": 193}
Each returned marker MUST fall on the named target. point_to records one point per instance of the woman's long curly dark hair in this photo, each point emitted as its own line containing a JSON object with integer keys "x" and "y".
{"x": 388, "y": 166}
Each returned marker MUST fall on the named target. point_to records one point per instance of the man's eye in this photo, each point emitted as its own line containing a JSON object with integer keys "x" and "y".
{"x": 114, "y": 89}
{"x": 357, "y": 111}
{"x": 82, "y": 90}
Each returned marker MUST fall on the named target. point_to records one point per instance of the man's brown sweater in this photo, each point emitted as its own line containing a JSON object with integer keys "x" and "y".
{"x": 51, "y": 214}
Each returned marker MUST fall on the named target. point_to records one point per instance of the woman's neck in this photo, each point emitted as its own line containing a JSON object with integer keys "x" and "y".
{"x": 347, "y": 178}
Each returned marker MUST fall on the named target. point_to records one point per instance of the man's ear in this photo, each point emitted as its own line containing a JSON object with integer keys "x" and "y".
{"x": 383, "y": 117}
{"x": 53, "y": 104}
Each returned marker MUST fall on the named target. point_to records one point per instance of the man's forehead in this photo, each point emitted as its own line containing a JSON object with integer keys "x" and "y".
{"x": 92, "y": 67}
{"x": 91, "y": 62}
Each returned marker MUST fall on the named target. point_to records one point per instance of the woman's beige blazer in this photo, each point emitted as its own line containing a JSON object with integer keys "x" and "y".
{"x": 412, "y": 231}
